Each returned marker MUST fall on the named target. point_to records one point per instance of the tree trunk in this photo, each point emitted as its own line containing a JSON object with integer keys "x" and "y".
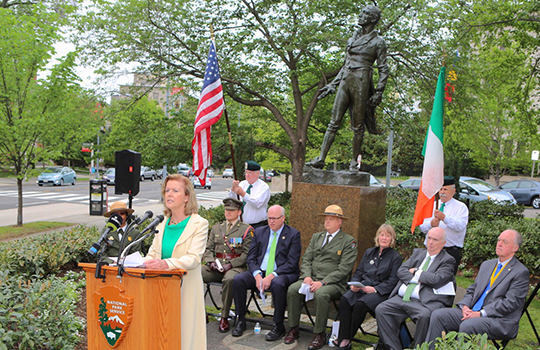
{"x": 20, "y": 201}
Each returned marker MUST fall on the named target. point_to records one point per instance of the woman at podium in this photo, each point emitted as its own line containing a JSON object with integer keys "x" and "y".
{"x": 180, "y": 244}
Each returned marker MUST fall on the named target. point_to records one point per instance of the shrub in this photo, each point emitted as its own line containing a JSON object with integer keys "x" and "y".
{"x": 39, "y": 313}
{"x": 47, "y": 253}
{"x": 460, "y": 341}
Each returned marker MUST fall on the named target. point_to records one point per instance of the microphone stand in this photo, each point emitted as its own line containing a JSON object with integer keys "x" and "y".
{"x": 100, "y": 262}
{"x": 122, "y": 256}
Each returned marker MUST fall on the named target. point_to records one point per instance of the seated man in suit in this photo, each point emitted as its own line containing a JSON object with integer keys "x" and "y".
{"x": 326, "y": 267}
{"x": 415, "y": 296}
{"x": 273, "y": 263}
{"x": 229, "y": 243}
{"x": 494, "y": 302}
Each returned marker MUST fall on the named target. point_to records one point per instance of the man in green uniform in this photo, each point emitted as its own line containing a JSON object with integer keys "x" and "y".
{"x": 228, "y": 243}
{"x": 326, "y": 268}
{"x": 120, "y": 210}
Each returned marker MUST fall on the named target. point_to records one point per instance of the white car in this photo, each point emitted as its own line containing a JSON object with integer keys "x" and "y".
{"x": 197, "y": 183}
{"x": 228, "y": 173}
{"x": 374, "y": 182}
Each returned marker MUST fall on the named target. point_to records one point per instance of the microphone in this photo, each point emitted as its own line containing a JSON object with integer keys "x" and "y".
{"x": 143, "y": 218}
{"x": 153, "y": 224}
{"x": 115, "y": 221}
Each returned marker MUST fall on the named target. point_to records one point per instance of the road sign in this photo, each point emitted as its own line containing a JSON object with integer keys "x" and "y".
{"x": 535, "y": 155}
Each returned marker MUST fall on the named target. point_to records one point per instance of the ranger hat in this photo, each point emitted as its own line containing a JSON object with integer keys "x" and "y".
{"x": 334, "y": 210}
{"x": 252, "y": 165}
{"x": 449, "y": 180}
{"x": 118, "y": 206}
{"x": 232, "y": 204}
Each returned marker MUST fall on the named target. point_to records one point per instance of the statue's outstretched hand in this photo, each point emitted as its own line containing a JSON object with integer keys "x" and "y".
{"x": 376, "y": 99}
{"x": 328, "y": 89}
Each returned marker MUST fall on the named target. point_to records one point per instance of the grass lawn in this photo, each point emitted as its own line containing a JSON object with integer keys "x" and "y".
{"x": 7, "y": 232}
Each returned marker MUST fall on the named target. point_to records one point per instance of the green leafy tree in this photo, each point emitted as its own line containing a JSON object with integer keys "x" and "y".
{"x": 273, "y": 55}
{"x": 28, "y": 105}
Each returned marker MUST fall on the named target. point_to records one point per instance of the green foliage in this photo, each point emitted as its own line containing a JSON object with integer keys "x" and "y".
{"x": 460, "y": 341}
{"x": 214, "y": 215}
{"x": 46, "y": 254}
{"x": 486, "y": 210}
{"x": 39, "y": 313}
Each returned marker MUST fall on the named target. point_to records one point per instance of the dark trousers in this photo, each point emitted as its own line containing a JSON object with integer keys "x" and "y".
{"x": 351, "y": 318}
{"x": 245, "y": 281}
{"x": 456, "y": 253}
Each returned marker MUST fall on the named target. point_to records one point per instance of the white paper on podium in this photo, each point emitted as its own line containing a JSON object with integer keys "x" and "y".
{"x": 447, "y": 289}
{"x": 132, "y": 260}
{"x": 305, "y": 289}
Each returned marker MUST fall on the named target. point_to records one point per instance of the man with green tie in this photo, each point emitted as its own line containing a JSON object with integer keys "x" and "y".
{"x": 255, "y": 194}
{"x": 326, "y": 269}
{"x": 451, "y": 215}
{"x": 273, "y": 260}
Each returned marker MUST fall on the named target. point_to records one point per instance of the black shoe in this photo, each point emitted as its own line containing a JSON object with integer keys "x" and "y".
{"x": 276, "y": 333}
{"x": 239, "y": 328}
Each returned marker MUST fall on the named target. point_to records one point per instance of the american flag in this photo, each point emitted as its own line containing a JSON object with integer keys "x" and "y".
{"x": 211, "y": 105}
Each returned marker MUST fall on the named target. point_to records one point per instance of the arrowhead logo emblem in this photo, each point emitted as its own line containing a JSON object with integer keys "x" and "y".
{"x": 114, "y": 313}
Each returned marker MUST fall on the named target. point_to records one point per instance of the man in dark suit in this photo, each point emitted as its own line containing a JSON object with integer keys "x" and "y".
{"x": 494, "y": 302}
{"x": 273, "y": 263}
{"x": 415, "y": 295}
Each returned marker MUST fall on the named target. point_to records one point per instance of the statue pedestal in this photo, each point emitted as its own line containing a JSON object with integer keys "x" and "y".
{"x": 364, "y": 206}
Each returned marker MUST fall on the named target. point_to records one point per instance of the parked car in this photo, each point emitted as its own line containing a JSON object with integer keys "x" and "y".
{"x": 264, "y": 177}
{"x": 210, "y": 173}
{"x": 184, "y": 170}
{"x": 197, "y": 183}
{"x": 110, "y": 176}
{"x": 412, "y": 184}
{"x": 228, "y": 173}
{"x": 476, "y": 190}
{"x": 373, "y": 181}
{"x": 526, "y": 192}
{"x": 159, "y": 173}
{"x": 147, "y": 173}
{"x": 57, "y": 176}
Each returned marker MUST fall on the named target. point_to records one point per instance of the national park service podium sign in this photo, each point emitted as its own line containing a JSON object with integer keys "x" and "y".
{"x": 139, "y": 311}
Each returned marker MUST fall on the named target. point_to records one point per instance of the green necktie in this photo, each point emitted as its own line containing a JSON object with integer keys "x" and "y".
{"x": 271, "y": 255}
{"x": 411, "y": 286}
{"x": 441, "y": 208}
{"x": 248, "y": 191}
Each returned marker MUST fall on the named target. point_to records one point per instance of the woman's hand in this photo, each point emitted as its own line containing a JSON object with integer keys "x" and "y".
{"x": 355, "y": 289}
{"x": 156, "y": 264}
{"x": 369, "y": 290}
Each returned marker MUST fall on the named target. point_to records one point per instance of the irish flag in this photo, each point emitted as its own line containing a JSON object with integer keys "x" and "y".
{"x": 433, "y": 172}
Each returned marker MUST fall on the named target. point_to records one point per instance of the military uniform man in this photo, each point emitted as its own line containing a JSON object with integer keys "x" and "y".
{"x": 120, "y": 210}
{"x": 326, "y": 268}
{"x": 229, "y": 243}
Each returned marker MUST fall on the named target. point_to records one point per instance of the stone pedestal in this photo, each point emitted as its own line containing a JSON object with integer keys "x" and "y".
{"x": 365, "y": 207}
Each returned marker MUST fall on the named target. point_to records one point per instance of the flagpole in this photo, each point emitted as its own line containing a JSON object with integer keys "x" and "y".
{"x": 226, "y": 119}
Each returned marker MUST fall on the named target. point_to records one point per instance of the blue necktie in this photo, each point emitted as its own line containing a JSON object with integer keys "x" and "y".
{"x": 478, "y": 305}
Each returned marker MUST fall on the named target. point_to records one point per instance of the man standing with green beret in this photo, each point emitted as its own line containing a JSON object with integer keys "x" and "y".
{"x": 326, "y": 268}
{"x": 228, "y": 243}
{"x": 254, "y": 193}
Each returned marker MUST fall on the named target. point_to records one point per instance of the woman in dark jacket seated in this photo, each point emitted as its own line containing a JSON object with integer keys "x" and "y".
{"x": 377, "y": 272}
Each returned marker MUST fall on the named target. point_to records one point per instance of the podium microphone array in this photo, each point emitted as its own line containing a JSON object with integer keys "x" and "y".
{"x": 115, "y": 221}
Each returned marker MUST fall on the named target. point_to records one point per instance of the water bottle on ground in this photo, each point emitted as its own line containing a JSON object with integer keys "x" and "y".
{"x": 257, "y": 329}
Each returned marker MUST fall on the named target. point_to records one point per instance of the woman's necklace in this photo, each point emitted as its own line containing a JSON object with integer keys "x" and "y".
{"x": 173, "y": 222}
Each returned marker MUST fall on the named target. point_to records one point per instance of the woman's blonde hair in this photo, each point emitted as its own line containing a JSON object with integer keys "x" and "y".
{"x": 388, "y": 228}
{"x": 191, "y": 205}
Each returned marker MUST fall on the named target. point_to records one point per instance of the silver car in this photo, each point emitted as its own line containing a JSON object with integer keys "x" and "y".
{"x": 525, "y": 192}
{"x": 476, "y": 190}
{"x": 57, "y": 176}
{"x": 147, "y": 173}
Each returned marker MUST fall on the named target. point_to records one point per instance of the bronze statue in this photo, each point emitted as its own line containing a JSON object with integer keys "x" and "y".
{"x": 355, "y": 80}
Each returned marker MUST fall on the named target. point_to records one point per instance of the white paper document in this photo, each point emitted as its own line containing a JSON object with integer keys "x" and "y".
{"x": 356, "y": 284}
{"x": 132, "y": 260}
{"x": 447, "y": 289}
{"x": 305, "y": 289}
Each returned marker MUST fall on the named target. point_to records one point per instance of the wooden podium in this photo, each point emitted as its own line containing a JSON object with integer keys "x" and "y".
{"x": 141, "y": 310}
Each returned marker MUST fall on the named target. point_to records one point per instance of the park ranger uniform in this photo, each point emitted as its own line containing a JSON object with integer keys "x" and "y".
{"x": 229, "y": 246}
